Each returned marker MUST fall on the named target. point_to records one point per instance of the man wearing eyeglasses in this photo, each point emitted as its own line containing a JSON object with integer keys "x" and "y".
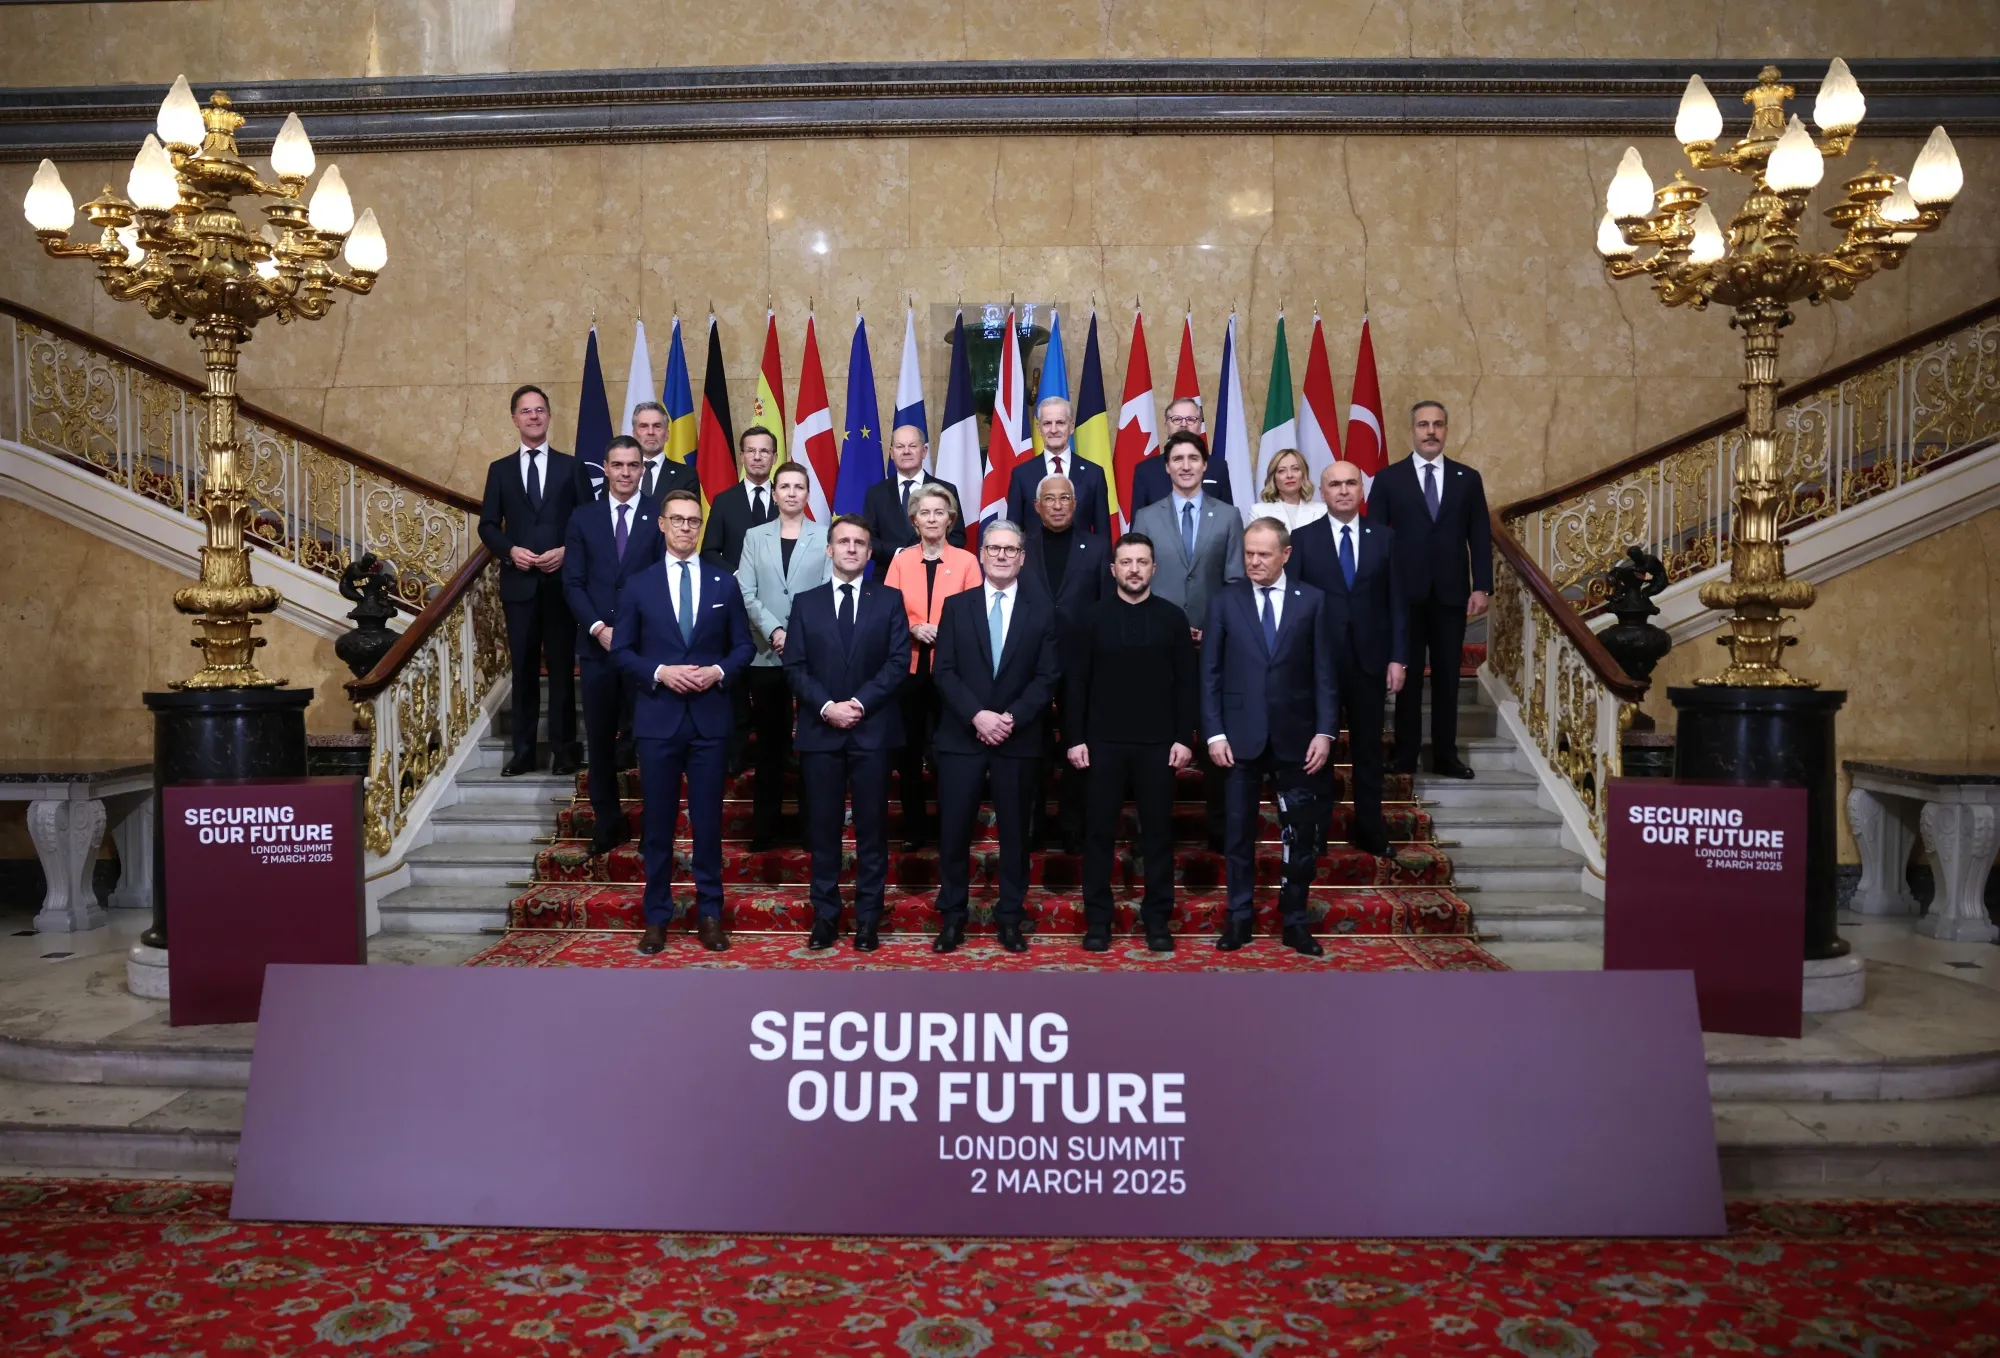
{"x": 683, "y": 634}
{"x": 1150, "y": 481}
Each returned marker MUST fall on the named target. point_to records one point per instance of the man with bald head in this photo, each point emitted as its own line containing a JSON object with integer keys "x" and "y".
{"x": 1093, "y": 497}
{"x": 1351, "y": 562}
{"x": 886, "y": 507}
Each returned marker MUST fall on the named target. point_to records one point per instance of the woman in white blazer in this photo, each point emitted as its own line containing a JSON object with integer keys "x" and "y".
{"x": 1289, "y": 494}
{"x": 781, "y": 559}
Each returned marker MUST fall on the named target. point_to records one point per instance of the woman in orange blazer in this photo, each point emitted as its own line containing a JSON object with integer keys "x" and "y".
{"x": 928, "y": 572}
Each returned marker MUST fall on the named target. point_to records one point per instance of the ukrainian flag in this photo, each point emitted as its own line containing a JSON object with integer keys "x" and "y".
{"x": 677, "y": 395}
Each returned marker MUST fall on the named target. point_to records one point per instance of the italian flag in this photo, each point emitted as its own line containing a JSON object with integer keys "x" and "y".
{"x": 1281, "y": 425}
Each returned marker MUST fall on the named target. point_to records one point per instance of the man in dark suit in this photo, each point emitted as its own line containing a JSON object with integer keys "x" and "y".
{"x": 885, "y": 510}
{"x": 1349, "y": 560}
{"x": 1444, "y": 558}
{"x": 745, "y": 505}
{"x": 1150, "y": 481}
{"x": 683, "y": 635}
{"x": 1268, "y": 708}
{"x": 995, "y": 671}
{"x": 847, "y": 652}
{"x": 530, "y": 494}
{"x": 608, "y": 540}
{"x": 662, "y": 474}
{"x": 1093, "y": 496}
{"x": 1073, "y": 569}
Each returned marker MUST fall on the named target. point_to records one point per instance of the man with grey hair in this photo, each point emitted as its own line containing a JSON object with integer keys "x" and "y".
{"x": 1093, "y": 496}
{"x": 1149, "y": 479}
{"x": 662, "y": 474}
{"x": 1074, "y": 570}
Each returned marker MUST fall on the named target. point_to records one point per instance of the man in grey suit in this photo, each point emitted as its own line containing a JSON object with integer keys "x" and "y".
{"x": 1198, "y": 541}
{"x": 781, "y": 560}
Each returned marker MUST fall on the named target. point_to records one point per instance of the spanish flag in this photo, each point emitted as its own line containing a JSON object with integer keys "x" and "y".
{"x": 769, "y": 411}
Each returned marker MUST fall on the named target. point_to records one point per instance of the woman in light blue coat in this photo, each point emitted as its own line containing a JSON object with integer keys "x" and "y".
{"x": 781, "y": 559}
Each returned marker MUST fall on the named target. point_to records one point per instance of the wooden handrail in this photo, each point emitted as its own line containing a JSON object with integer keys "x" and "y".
{"x": 419, "y": 630}
{"x": 1832, "y": 377}
{"x": 408, "y": 480}
{"x": 1607, "y": 670}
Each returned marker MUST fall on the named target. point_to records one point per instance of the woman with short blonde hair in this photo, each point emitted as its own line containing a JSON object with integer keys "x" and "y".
{"x": 1289, "y": 495}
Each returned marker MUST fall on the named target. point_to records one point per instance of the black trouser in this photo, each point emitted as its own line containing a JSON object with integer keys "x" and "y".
{"x": 1015, "y": 786}
{"x": 739, "y": 723}
{"x": 920, "y": 703}
{"x": 1246, "y": 796}
{"x": 1054, "y": 769}
{"x": 1437, "y": 635}
{"x": 1144, "y": 770}
{"x": 537, "y": 628}
{"x": 770, "y": 699}
{"x": 834, "y": 778}
{"x": 1362, "y": 698}
{"x": 608, "y": 691}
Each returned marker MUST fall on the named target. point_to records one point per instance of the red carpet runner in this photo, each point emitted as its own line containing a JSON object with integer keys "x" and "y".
{"x": 107, "y": 1268}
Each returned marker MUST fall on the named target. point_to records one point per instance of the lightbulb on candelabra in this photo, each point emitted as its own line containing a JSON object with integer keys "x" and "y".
{"x": 292, "y": 152}
{"x": 152, "y": 183}
{"x": 331, "y": 211}
{"x": 179, "y": 123}
{"x": 1699, "y": 121}
{"x": 49, "y": 206}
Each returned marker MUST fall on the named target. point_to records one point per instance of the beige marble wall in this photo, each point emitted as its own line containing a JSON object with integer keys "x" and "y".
{"x": 245, "y": 39}
{"x": 1913, "y": 638}
{"x": 1473, "y": 256}
{"x": 89, "y": 626}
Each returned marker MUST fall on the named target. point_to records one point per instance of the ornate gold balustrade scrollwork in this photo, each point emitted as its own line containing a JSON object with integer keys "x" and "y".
{"x": 421, "y": 700}
{"x": 1852, "y": 434}
{"x": 313, "y": 501}
{"x": 1575, "y": 700}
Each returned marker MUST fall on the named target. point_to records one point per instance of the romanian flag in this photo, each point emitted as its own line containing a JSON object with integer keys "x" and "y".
{"x": 683, "y": 430}
{"x": 769, "y": 412}
{"x": 715, "y": 448}
{"x": 1092, "y": 437}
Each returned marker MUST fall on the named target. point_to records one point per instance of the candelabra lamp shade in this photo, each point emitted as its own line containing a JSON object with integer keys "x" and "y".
{"x": 49, "y": 206}
{"x": 1631, "y": 193}
{"x": 1840, "y": 106}
{"x": 1700, "y": 121}
{"x": 1936, "y": 177}
{"x": 1796, "y": 164}
{"x": 292, "y": 153}
{"x": 180, "y": 123}
{"x": 331, "y": 211}
{"x": 367, "y": 252}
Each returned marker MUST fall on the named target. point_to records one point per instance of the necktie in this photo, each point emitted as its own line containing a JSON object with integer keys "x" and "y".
{"x": 686, "y": 612}
{"x": 906, "y": 497}
{"x": 757, "y": 510}
{"x": 846, "y": 616}
{"x": 618, "y": 533}
{"x": 996, "y": 628}
{"x": 1270, "y": 622}
{"x": 1055, "y": 464}
{"x": 652, "y": 477}
{"x": 1347, "y": 555}
{"x": 1187, "y": 528}
{"x": 1431, "y": 489}
{"x": 535, "y": 478}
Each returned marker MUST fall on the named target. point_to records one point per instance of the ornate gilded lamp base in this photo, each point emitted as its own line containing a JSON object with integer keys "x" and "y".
{"x": 1756, "y": 638}
{"x": 225, "y": 602}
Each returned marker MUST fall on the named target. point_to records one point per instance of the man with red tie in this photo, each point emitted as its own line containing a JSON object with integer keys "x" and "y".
{"x": 1093, "y": 498}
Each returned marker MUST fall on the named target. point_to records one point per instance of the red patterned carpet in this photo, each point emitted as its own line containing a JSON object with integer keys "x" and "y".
{"x": 133, "y": 1270}
{"x": 788, "y": 951}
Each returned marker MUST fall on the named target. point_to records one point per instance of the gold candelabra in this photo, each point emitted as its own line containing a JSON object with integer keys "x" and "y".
{"x": 1758, "y": 269}
{"x": 178, "y": 246}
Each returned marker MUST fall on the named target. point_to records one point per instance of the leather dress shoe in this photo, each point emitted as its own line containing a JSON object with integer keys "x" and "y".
{"x": 564, "y": 763}
{"x": 1012, "y": 939}
{"x": 950, "y": 935}
{"x": 1299, "y": 938}
{"x": 1376, "y": 846}
{"x": 1215, "y": 844}
{"x": 654, "y": 939}
{"x": 866, "y": 937}
{"x": 1235, "y": 933}
{"x": 604, "y": 841}
{"x": 1159, "y": 940}
{"x": 518, "y": 765}
{"x": 713, "y": 936}
{"x": 823, "y": 934}
{"x": 1398, "y": 764}
{"x": 1451, "y": 768}
{"x": 763, "y": 843}
{"x": 1097, "y": 938}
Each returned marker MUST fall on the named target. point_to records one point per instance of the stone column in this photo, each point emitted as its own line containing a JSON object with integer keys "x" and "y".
{"x": 132, "y": 832}
{"x": 66, "y": 835}
{"x": 1961, "y": 839}
{"x": 1885, "y": 830}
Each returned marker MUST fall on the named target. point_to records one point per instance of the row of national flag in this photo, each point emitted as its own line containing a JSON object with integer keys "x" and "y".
{"x": 842, "y": 466}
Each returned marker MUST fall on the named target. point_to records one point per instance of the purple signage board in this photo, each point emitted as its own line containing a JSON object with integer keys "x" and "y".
{"x": 913, "y": 1103}
{"x": 259, "y": 870}
{"x": 1711, "y": 878}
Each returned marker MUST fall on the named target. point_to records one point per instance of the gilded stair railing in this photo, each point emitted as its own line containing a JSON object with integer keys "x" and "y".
{"x": 1853, "y": 433}
{"x": 138, "y": 424}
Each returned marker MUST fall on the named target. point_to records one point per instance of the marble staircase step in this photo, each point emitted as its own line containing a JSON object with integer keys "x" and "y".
{"x": 1540, "y": 916}
{"x": 1514, "y": 867}
{"x": 1491, "y": 787}
{"x": 470, "y": 864}
{"x": 1504, "y": 824}
{"x": 446, "y": 909}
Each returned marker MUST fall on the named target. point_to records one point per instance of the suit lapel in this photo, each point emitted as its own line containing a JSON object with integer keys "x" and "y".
{"x": 1294, "y": 606}
{"x": 984, "y": 629}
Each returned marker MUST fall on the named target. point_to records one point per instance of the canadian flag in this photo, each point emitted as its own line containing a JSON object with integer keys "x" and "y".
{"x": 1138, "y": 430}
{"x": 1005, "y": 446}
{"x": 1366, "y": 447}
{"x": 812, "y": 435}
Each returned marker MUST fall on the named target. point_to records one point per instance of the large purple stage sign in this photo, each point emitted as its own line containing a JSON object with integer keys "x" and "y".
{"x": 910, "y": 1103}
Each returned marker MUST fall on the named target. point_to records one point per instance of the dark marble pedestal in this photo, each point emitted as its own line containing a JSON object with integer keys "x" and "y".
{"x": 219, "y": 733}
{"x": 1773, "y": 735}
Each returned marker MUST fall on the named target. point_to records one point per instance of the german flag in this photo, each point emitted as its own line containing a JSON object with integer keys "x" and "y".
{"x": 715, "y": 445}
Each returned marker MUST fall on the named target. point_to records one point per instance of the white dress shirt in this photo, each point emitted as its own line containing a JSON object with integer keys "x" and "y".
{"x": 672, "y": 567}
{"x": 542, "y": 463}
{"x": 854, "y": 588}
{"x": 650, "y": 473}
{"x": 1277, "y": 597}
{"x": 631, "y": 522}
{"x": 1423, "y": 462}
{"x": 908, "y": 486}
{"x": 1067, "y": 456}
{"x": 1006, "y": 598}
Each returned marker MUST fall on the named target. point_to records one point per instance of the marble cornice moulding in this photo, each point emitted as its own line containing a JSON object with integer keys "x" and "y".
{"x": 1381, "y": 97}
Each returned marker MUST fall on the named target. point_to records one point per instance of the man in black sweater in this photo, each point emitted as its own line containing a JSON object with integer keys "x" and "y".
{"x": 1132, "y": 730}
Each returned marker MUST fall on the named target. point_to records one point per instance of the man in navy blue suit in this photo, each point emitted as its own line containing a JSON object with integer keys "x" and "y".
{"x": 1444, "y": 556}
{"x": 847, "y": 652}
{"x": 530, "y": 494}
{"x": 1093, "y": 496}
{"x": 1150, "y": 481}
{"x": 683, "y": 635}
{"x": 1267, "y": 709}
{"x": 1349, "y": 560}
{"x": 608, "y": 539}
{"x": 995, "y": 671}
